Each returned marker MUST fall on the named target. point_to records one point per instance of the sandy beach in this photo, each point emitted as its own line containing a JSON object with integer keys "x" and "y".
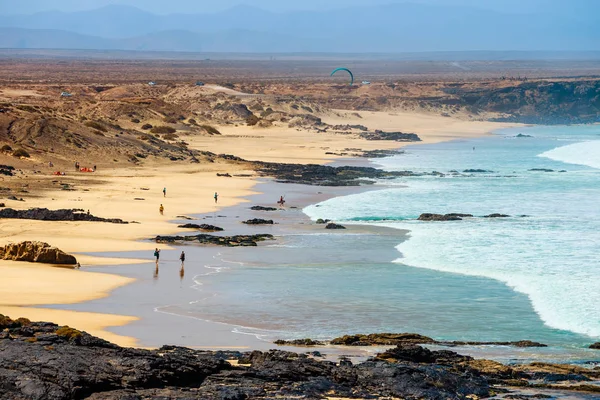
{"x": 135, "y": 194}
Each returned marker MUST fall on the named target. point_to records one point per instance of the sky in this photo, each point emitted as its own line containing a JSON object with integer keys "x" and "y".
{"x": 202, "y": 6}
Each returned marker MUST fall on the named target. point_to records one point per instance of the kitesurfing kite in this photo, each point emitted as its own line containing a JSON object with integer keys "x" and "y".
{"x": 347, "y": 70}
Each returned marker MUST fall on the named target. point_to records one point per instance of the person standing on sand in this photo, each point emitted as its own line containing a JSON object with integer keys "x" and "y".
{"x": 164, "y": 192}
{"x": 216, "y": 196}
{"x": 157, "y": 254}
{"x": 161, "y": 209}
{"x": 76, "y": 165}
{"x": 182, "y": 258}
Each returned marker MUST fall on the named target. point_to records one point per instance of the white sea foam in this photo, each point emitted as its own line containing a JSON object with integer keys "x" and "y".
{"x": 583, "y": 153}
{"x": 551, "y": 256}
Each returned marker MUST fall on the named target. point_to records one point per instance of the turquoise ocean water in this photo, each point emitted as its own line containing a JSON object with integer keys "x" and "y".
{"x": 531, "y": 276}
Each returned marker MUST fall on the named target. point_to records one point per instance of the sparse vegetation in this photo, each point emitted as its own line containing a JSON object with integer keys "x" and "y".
{"x": 7, "y": 322}
{"x": 68, "y": 333}
{"x": 135, "y": 120}
{"x": 170, "y": 136}
{"x": 96, "y": 125}
{"x": 170, "y": 120}
{"x": 20, "y": 152}
{"x": 6, "y": 148}
{"x": 192, "y": 121}
{"x": 211, "y": 130}
{"x": 146, "y": 126}
{"x": 163, "y": 129}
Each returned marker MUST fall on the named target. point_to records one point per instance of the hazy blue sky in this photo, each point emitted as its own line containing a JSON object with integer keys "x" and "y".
{"x": 195, "y": 6}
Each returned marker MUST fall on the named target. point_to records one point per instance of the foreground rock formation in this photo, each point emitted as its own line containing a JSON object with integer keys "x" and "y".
{"x": 40, "y": 360}
{"x": 39, "y": 252}
{"x": 44, "y": 361}
{"x": 44, "y": 214}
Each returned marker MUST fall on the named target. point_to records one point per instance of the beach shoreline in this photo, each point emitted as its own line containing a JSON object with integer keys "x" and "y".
{"x": 112, "y": 198}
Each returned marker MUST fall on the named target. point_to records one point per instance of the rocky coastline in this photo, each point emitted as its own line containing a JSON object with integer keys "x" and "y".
{"x": 227, "y": 241}
{"x": 41, "y": 360}
{"x": 44, "y": 214}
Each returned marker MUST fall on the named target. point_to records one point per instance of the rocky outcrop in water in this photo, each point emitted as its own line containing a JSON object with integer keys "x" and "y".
{"x": 496, "y": 216}
{"x": 393, "y": 339}
{"x": 44, "y": 214}
{"x": 39, "y": 252}
{"x": 228, "y": 241}
{"x": 439, "y": 217}
{"x": 258, "y": 221}
{"x": 382, "y": 339}
{"x": 299, "y": 342}
{"x": 476, "y": 171}
{"x": 595, "y": 346}
{"x": 202, "y": 227}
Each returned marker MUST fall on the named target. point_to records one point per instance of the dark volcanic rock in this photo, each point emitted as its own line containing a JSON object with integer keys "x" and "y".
{"x": 324, "y": 175}
{"x": 496, "y": 216}
{"x": 439, "y": 217}
{"x": 382, "y": 339}
{"x": 418, "y": 354}
{"x": 261, "y": 208}
{"x": 258, "y": 221}
{"x": 44, "y": 361}
{"x": 520, "y": 343}
{"x": 44, "y": 214}
{"x": 299, "y": 342}
{"x": 36, "y": 252}
{"x": 321, "y": 221}
{"x": 202, "y": 227}
{"x": 396, "y": 136}
{"x": 541, "y": 170}
{"x": 476, "y": 171}
{"x": 331, "y": 225}
{"x": 595, "y": 346}
{"x": 228, "y": 241}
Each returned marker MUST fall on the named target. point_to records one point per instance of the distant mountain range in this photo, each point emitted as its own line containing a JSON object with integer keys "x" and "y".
{"x": 392, "y": 28}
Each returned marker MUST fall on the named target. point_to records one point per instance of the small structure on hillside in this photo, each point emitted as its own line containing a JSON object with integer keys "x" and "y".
{"x": 366, "y": 82}
{"x": 152, "y": 83}
{"x": 199, "y": 83}
{"x": 65, "y": 94}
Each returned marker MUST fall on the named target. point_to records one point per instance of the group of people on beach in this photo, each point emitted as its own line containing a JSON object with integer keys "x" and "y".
{"x": 161, "y": 209}
{"x": 181, "y": 258}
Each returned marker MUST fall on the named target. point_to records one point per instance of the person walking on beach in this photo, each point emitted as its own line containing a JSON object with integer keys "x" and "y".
{"x": 281, "y": 201}
{"x": 76, "y": 165}
{"x": 216, "y": 196}
{"x": 164, "y": 192}
{"x": 157, "y": 254}
{"x": 161, "y": 209}
{"x": 182, "y": 258}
